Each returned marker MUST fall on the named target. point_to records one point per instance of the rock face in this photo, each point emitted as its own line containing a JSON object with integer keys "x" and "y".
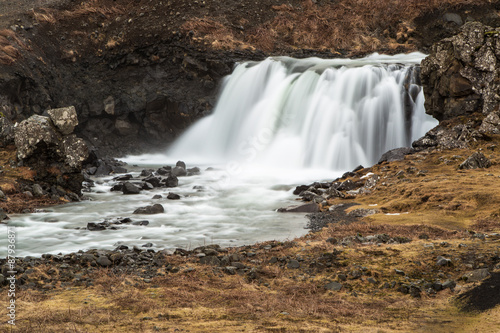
{"x": 47, "y": 146}
{"x": 462, "y": 73}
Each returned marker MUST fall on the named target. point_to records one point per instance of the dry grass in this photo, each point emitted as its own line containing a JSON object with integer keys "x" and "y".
{"x": 359, "y": 26}
{"x": 214, "y": 33}
{"x": 10, "y": 45}
{"x": 85, "y": 8}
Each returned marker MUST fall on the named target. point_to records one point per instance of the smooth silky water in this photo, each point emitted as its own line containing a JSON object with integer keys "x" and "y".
{"x": 278, "y": 123}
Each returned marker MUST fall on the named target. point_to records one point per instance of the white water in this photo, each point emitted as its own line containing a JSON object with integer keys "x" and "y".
{"x": 280, "y": 121}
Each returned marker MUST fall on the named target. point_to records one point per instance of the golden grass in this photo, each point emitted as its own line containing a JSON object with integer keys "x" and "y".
{"x": 358, "y": 26}
{"x": 9, "y": 47}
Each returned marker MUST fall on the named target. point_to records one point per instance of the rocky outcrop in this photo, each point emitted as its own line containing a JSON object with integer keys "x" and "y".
{"x": 462, "y": 73}
{"x": 46, "y": 145}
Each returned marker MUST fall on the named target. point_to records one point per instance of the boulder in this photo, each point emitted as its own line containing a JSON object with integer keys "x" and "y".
{"x": 129, "y": 188}
{"x": 153, "y": 209}
{"x": 461, "y": 76}
{"x": 178, "y": 171}
{"x": 65, "y": 119}
{"x": 54, "y": 155}
{"x": 475, "y": 161}
{"x": 171, "y": 181}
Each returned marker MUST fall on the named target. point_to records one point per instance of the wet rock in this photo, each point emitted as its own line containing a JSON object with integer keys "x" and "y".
{"x": 153, "y": 209}
{"x": 171, "y": 181}
{"x": 157, "y": 196}
{"x": 129, "y": 188}
{"x": 92, "y": 226}
{"x": 181, "y": 164}
{"x": 193, "y": 171}
{"x": 178, "y": 171}
{"x": 155, "y": 181}
{"x": 163, "y": 171}
{"x": 334, "y": 286}
{"x": 140, "y": 223}
{"x": 475, "y": 161}
{"x": 146, "y": 173}
{"x": 304, "y": 208}
{"x": 173, "y": 196}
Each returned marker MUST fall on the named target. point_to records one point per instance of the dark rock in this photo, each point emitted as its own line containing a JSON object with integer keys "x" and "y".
{"x": 475, "y": 161}
{"x": 153, "y": 209}
{"x": 441, "y": 261}
{"x": 334, "y": 286}
{"x": 155, "y": 181}
{"x": 3, "y": 215}
{"x": 460, "y": 76}
{"x": 104, "y": 261}
{"x": 304, "y": 208}
{"x": 210, "y": 260}
{"x": 146, "y": 173}
{"x": 347, "y": 185}
{"x": 293, "y": 264}
{"x": 397, "y": 154}
{"x": 92, "y": 226}
{"x": 171, "y": 181}
{"x": 157, "y": 196}
{"x": 449, "y": 284}
{"x": 415, "y": 291}
{"x": 147, "y": 186}
{"x": 163, "y": 171}
{"x": 178, "y": 171}
{"x": 173, "y": 196}
{"x": 6, "y": 132}
{"x": 142, "y": 223}
{"x": 123, "y": 177}
{"x": 129, "y": 188}
{"x": 301, "y": 188}
{"x": 181, "y": 164}
{"x": 117, "y": 187}
{"x": 193, "y": 171}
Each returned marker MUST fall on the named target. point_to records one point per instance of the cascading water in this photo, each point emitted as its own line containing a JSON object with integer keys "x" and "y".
{"x": 278, "y": 123}
{"x": 329, "y": 114}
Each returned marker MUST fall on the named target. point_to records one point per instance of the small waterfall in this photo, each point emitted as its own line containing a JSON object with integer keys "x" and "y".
{"x": 329, "y": 114}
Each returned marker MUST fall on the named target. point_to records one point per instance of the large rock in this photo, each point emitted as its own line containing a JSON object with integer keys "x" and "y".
{"x": 55, "y": 155}
{"x": 461, "y": 76}
{"x": 153, "y": 209}
{"x": 475, "y": 161}
{"x": 65, "y": 119}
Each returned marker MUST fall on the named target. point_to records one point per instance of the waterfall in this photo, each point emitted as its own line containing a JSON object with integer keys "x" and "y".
{"x": 311, "y": 113}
